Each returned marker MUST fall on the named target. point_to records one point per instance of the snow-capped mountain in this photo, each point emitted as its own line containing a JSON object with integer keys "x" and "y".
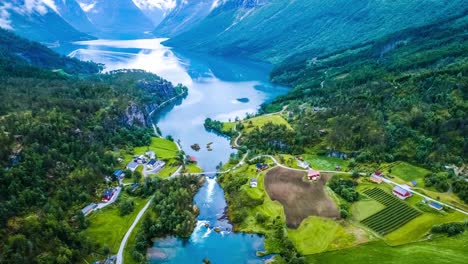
{"x": 37, "y": 20}
{"x": 71, "y": 12}
{"x": 184, "y": 15}
{"x": 111, "y": 18}
{"x": 156, "y": 10}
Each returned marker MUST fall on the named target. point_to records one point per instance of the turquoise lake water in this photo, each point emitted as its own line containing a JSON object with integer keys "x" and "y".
{"x": 215, "y": 87}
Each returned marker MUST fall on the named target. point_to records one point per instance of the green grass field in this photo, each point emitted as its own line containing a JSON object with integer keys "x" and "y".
{"x": 438, "y": 251}
{"x": 259, "y": 121}
{"x": 408, "y": 172}
{"x": 417, "y": 228}
{"x": 107, "y": 227}
{"x": 325, "y": 163}
{"x": 317, "y": 234}
{"x": 362, "y": 209}
{"x": 164, "y": 149}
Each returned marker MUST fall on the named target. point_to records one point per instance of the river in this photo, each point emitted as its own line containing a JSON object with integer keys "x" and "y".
{"x": 220, "y": 88}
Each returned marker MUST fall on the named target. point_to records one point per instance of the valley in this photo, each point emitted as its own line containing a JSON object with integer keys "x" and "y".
{"x": 233, "y": 131}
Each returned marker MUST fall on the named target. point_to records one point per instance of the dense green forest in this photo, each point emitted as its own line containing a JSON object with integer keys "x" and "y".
{"x": 401, "y": 97}
{"x": 173, "y": 212}
{"x": 56, "y": 132}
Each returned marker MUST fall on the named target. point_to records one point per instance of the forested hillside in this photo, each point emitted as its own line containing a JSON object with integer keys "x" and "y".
{"x": 271, "y": 30}
{"x": 56, "y": 130}
{"x": 18, "y": 54}
{"x": 401, "y": 97}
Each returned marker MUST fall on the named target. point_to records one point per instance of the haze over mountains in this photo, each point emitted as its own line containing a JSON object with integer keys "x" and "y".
{"x": 250, "y": 28}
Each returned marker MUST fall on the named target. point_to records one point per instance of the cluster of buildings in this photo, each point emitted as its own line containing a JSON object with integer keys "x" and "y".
{"x": 149, "y": 159}
{"x": 403, "y": 191}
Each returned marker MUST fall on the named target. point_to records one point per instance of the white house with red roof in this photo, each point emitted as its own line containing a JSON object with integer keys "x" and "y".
{"x": 401, "y": 192}
{"x": 313, "y": 175}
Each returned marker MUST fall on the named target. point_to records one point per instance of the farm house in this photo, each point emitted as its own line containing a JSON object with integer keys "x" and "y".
{"x": 261, "y": 166}
{"x": 313, "y": 175}
{"x": 376, "y": 177}
{"x": 401, "y": 193}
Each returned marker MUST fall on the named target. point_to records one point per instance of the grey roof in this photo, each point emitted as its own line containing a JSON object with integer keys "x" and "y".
{"x": 88, "y": 208}
{"x": 132, "y": 165}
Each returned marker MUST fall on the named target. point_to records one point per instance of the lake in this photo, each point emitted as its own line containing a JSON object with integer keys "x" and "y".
{"x": 219, "y": 88}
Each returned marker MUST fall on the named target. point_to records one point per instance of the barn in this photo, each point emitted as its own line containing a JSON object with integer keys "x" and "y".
{"x": 401, "y": 192}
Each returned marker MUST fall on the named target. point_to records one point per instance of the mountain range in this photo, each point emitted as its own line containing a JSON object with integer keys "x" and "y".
{"x": 49, "y": 21}
{"x": 248, "y": 28}
{"x": 272, "y": 30}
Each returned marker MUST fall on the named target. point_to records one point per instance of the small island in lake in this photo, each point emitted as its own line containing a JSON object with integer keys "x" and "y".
{"x": 243, "y": 100}
{"x": 195, "y": 147}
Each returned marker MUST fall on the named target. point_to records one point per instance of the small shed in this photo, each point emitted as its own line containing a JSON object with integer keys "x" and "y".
{"x": 412, "y": 183}
{"x": 303, "y": 164}
{"x": 253, "y": 183}
{"x": 436, "y": 206}
{"x": 119, "y": 174}
{"x": 192, "y": 159}
{"x": 313, "y": 175}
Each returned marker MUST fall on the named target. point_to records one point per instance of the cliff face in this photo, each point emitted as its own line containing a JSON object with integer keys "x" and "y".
{"x": 147, "y": 92}
{"x": 134, "y": 116}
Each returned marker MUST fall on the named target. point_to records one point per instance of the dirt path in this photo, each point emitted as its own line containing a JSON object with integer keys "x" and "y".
{"x": 299, "y": 198}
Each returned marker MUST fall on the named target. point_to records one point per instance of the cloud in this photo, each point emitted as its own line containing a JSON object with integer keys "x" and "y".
{"x": 152, "y": 4}
{"x": 25, "y": 7}
{"x": 40, "y": 6}
{"x": 5, "y": 21}
{"x": 87, "y": 6}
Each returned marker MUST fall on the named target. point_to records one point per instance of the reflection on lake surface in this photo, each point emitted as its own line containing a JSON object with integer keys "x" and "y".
{"x": 219, "y": 88}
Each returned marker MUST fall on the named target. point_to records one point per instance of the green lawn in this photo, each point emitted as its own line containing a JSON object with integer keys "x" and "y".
{"x": 408, "y": 172}
{"x": 418, "y": 227}
{"x": 438, "y": 251}
{"x": 192, "y": 168}
{"x": 164, "y": 149}
{"x": 260, "y": 121}
{"x": 325, "y": 163}
{"x": 316, "y": 234}
{"x": 107, "y": 227}
{"x": 362, "y": 209}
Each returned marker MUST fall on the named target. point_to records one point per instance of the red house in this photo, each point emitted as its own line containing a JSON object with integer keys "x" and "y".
{"x": 107, "y": 195}
{"x": 401, "y": 192}
{"x": 313, "y": 175}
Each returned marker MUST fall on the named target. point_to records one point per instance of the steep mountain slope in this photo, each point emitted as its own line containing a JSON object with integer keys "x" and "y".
{"x": 401, "y": 97}
{"x": 184, "y": 16}
{"x": 275, "y": 29}
{"x": 124, "y": 19}
{"x": 16, "y": 50}
{"x": 38, "y": 21}
{"x": 156, "y": 10}
{"x": 71, "y": 12}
